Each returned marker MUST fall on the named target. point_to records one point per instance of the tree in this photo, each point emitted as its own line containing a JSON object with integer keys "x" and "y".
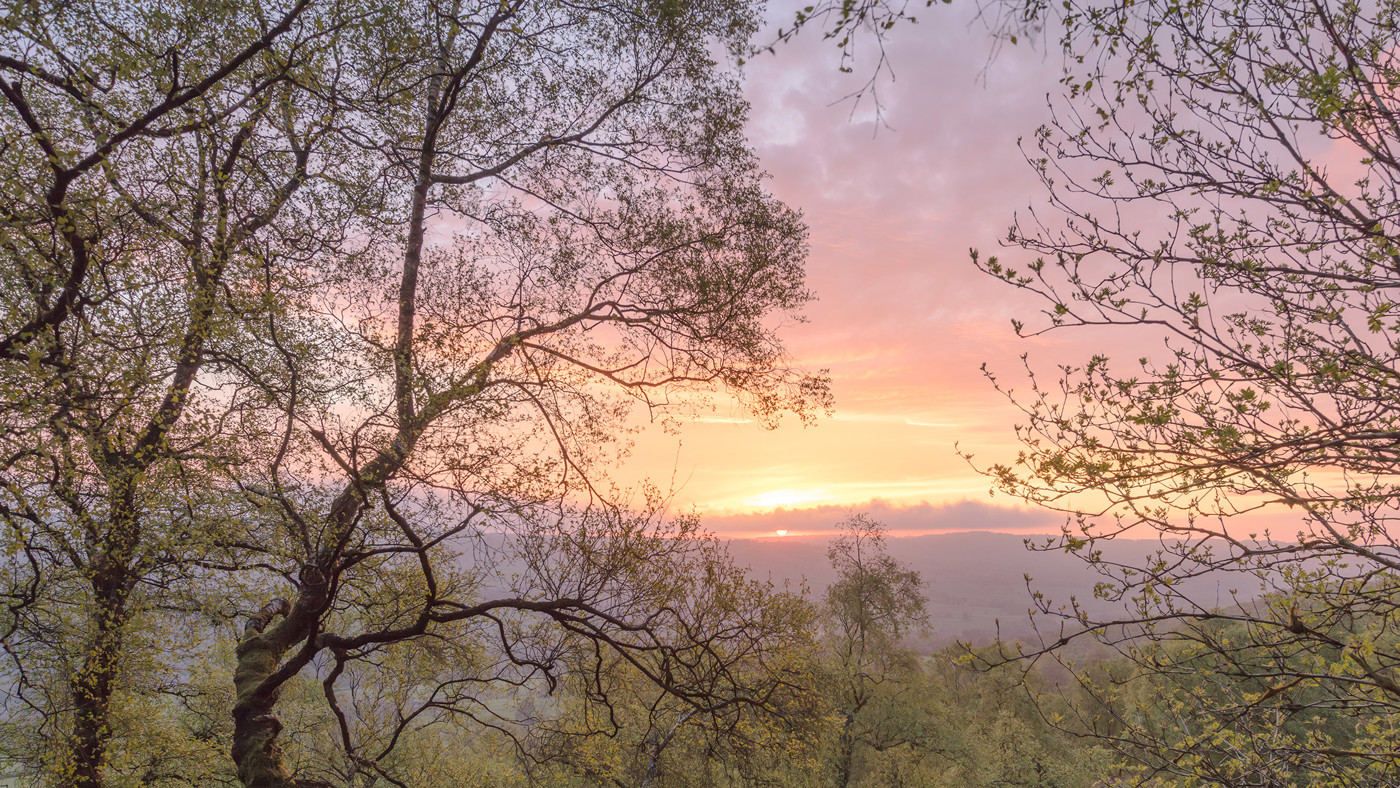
{"x": 899, "y": 718}
{"x": 874, "y": 602}
{"x": 998, "y": 727}
{"x": 652, "y": 738}
{"x": 378, "y": 405}
{"x": 1224, "y": 174}
{"x": 147, "y": 152}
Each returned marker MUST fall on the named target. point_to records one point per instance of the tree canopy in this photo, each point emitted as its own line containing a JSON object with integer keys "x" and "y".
{"x": 328, "y": 318}
{"x": 1223, "y": 175}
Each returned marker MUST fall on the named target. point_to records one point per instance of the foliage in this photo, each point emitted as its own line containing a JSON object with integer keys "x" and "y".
{"x": 876, "y": 713}
{"x": 148, "y": 151}
{"x": 649, "y": 738}
{"x": 1224, "y": 176}
{"x": 330, "y": 316}
{"x": 1007, "y": 726}
{"x": 1198, "y": 712}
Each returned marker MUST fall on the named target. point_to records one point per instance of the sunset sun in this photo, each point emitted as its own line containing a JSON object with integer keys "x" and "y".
{"x": 786, "y": 498}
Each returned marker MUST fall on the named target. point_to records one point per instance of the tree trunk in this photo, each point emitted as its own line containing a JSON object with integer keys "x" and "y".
{"x": 846, "y": 758}
{"x": 255, "y": 727}
{"x": 93, "y": 683}
{"x": 256, "y": 751}
{"x": 92, "y": 686}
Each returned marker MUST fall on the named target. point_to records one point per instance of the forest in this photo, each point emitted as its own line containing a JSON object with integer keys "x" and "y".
{"x": 324, "y": 325}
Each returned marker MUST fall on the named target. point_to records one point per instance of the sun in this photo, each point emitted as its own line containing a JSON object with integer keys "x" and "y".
{"x": 782, "y": 532}
{"x": 785, "y": 498}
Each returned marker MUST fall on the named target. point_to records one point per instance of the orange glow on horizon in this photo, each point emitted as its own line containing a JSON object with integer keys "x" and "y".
{"x": 787, "y": 499}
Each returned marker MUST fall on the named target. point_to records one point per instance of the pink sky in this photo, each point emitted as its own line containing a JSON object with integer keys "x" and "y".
{"x": 904, "y": 320}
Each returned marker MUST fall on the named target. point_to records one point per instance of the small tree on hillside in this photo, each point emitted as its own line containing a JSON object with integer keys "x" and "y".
{"x": 874, "y": 603}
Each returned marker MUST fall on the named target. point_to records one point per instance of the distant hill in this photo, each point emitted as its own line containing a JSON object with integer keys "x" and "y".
{"x": 974, "y": 579}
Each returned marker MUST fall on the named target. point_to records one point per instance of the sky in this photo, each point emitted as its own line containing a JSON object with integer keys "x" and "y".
{"x": 903, "y": 321}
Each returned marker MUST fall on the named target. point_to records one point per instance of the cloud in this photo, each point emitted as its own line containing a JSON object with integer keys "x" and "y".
{"x": 902, "y": 520}
{"x": 903, "y": 316}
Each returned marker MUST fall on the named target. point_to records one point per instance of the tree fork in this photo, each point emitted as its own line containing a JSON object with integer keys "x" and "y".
{"x": 256, "y": 752}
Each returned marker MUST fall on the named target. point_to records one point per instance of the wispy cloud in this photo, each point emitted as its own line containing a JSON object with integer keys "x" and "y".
{"x": 917, "y": 519}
